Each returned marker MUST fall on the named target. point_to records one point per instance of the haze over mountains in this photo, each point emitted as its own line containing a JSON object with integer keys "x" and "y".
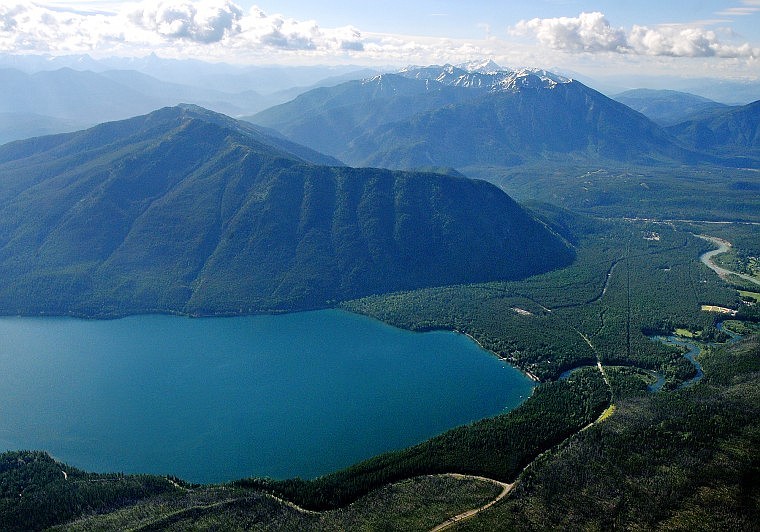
{"x": 43, "y": 97}
{"x": 734, "y": 131}
{"x": 668, "y": 107}
{"x": 376, "y": 121}
{"x": 450, "y": 116}
{"x": 271, "y": 79}
{"x": 185, "y": 210}
{"x": 227, "y": 78}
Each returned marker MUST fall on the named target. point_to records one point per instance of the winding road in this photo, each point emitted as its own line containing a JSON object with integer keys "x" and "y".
{"x": 505, "y": 489}
{"x": 706, "y": 258}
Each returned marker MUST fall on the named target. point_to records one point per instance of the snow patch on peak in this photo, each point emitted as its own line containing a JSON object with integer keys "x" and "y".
{"x": 546, "y": 75}
{"x": 485, "y": 66}
{"x": 529, "y": 78}
{"x": 485, "y": 75}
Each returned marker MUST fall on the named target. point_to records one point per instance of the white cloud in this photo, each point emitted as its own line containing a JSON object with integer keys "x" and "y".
{"x": 678, "y": 41}
{"x": 207, "y": 28}
{"x": 737, "y": 11}
{"x": 27, "y": 27}
{"x": 588, "y": 32}
{"x": 748, "y": 7}
{"x": 284, "y": 33}
{"x": 591, "y": 32}
{"x": 222, "y": 30}
{"x": 277, "y": 31}
{"x": 205, "y": 21}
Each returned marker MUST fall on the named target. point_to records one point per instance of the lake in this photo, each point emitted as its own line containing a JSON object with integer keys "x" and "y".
{"x": 217, "y": 399}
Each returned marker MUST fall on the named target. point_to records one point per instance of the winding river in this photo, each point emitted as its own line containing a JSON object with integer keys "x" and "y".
{"x": 723, "y": 247}
{"x": 692, "y": 352}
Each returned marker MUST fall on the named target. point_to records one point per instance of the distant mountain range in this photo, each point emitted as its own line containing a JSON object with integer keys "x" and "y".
{"x": 70, "y": 94}
{"x": 450, "y": 116}
{"x": 15, "y": 126}
{"x": 480, "y": 115}
{"x": 731, "y": 131}
{"x": 730, "y": 92}
{"x": 65, "y": 99}
{"x": 667, "y": 107}
{"x": 531, "y": 122}
{"x": 224, "y": 77}
{"x": 185, "y": 210}
{"x": 471, "y": 116}
{"x": 328, "y": 119}
{"x": 701, "y": 124}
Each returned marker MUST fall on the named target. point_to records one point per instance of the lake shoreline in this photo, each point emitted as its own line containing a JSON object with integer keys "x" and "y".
{"x": 264, "y": 312}
{"x": 527, "y": 373}
{"x": 184, "y": 363}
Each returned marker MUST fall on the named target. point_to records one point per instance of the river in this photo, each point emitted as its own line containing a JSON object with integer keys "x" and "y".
{"x": 723, "y": 247}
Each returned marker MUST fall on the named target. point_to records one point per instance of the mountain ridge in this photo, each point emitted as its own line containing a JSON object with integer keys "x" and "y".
{"x": 733, "y": 130}
{"x": 184, "y": 210}
{"x": 668, "y": 107}
{"x": 511, "y": 127}
{"x": 517, "y": 116}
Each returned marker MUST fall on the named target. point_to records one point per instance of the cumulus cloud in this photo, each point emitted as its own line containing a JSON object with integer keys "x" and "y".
{"x": 278, "y": 31}
{"x": 592, "y": 32}
{"x": 206, "y": 21}
{"x": 203, "y": 26}
{"x": 281, "y": 32}
{"x": 588, "y": 32}
{"x": 27, "y": 27}
{"x": 679, "y": 41}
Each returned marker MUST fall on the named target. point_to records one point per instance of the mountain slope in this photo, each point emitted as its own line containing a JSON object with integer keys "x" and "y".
{"x": 667, "y": 107}
{"x": 184, "y": 210}
{"x": 566, "y": 121}
{"x": 451, "y": 116}
{"x": 734, "y": 131}
{"x": 327, "y": 119}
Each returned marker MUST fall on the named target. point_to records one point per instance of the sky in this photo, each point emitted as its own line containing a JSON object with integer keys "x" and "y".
{"x": 689, "y": 38}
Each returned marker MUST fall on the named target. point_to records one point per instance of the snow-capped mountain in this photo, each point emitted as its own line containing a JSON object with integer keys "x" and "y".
{"x": 488, "y": 76}
{"x": 449, "y": 75}
{"x": 487, "y": 66}
{"x": 449, "y": 116}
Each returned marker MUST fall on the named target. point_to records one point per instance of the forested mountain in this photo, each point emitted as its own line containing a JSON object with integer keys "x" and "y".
{"x": 185, "y": 210}
{"x": 328, "y": 119}
{"x": 451, "y": 116}
{"x": 735, "y": 131}
{"x": 568, "y": 121}
{"x": 667, "y": 107}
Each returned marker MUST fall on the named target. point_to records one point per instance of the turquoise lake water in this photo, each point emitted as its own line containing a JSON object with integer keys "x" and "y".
{"x": 216, "y": 399}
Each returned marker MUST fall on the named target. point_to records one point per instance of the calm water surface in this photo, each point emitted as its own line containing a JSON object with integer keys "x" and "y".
{"x": 217, "y": 399}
